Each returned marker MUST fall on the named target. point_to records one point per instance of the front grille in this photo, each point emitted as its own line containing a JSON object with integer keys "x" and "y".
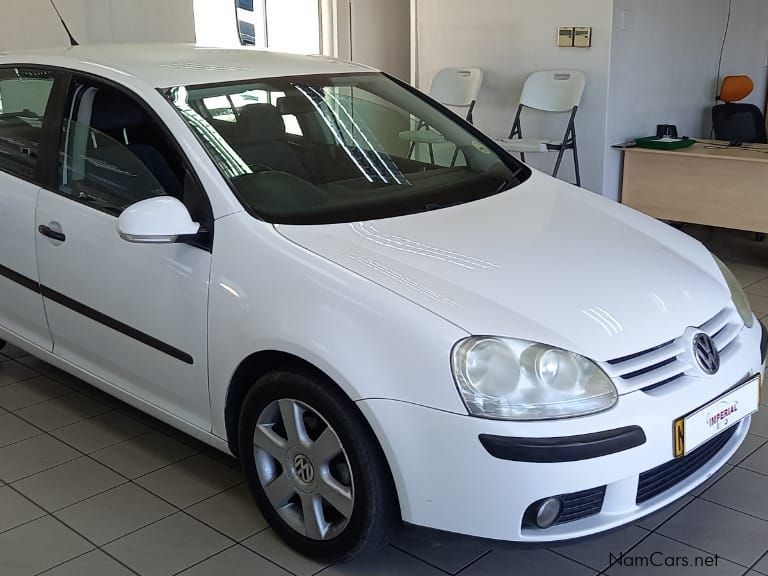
{"x": 668, "y": 475}
{"x": 581, "y": 505}
{"x": 667, "y": 362}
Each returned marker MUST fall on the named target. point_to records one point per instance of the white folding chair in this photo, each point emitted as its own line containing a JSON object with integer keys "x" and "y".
{"x": 456, "y": 88}
{"x": 555, "y": 91}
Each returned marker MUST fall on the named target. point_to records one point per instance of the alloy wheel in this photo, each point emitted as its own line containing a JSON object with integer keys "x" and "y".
{"x": 303, "y": 469}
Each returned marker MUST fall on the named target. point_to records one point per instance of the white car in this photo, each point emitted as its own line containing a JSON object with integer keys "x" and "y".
{"x": 250, "y": 247}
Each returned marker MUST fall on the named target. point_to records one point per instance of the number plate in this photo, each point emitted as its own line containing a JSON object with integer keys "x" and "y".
{"x": 697, "y": 428}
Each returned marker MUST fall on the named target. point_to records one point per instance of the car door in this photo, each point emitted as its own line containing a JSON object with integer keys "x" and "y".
{"x": 132, "y": 314}
{"x": 25, "y": 94}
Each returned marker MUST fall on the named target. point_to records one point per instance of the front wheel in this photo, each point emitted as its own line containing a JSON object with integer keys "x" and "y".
{"x": 315, "y": 467}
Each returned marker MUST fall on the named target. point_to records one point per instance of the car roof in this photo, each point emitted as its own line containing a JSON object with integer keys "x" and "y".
{"x": 166, "y": 65}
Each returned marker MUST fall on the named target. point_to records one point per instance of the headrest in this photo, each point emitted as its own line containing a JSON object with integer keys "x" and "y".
{"x": 294, "y": 105}
{"x": 260, "y": 123}
{"x": 736, "y": 88}
{"x": 113, "y": 112}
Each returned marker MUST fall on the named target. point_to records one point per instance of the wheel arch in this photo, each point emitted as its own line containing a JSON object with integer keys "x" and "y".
{"x": 248, "y": 371}
{"x": 260, "y": 363}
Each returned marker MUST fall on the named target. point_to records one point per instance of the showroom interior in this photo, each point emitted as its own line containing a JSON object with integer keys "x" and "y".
{"x": 651, "y": 117}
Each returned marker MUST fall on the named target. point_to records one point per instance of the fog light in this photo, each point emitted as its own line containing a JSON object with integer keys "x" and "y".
{"x": 548, "y": 512}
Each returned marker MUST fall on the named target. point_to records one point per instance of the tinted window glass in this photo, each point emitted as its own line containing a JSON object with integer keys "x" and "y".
{"x": 324, "y": 149}
{"x": 112, "y": 152}
{"x": 24, "y": 96}
{"x": 247, "y": 33}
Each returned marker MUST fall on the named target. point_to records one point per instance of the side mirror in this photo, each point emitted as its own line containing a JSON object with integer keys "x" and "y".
{"x": 158, "y": 220}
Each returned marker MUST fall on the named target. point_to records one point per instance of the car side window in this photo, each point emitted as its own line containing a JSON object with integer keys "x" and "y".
{"x": 113, "y": 154}
{"x": 24, "y": 95}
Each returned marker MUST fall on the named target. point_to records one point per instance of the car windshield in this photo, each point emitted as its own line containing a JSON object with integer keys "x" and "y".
{"x": 343, "y": 148}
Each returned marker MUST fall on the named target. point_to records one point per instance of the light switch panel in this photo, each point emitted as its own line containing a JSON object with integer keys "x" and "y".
{"x": 565, "y": 37}
{"x": 582, "y": 37}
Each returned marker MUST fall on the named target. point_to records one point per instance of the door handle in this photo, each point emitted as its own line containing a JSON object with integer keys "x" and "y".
{"x": 49, "y": 232}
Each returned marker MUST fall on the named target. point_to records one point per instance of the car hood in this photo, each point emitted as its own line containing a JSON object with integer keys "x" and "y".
{"x": 544, "y": 261}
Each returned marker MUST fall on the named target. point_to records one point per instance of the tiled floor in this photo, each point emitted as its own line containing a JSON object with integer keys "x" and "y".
{"x": 91, "y": 487}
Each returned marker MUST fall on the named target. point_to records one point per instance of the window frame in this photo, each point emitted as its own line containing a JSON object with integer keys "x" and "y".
{"x": 265, "y": 25}
{"x": 53, "y": 129}
{"x": 50, "y": 122}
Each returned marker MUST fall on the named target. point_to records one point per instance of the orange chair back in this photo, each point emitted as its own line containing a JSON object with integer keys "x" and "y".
{"x": 736, "y": 88}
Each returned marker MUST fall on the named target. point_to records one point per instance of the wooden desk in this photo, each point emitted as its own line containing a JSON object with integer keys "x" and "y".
{"x": 704, "y": 184}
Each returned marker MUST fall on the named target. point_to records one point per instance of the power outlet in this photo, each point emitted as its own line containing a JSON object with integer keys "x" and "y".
{"x": 565, "y": 37}
{"x": 582, "y": 37}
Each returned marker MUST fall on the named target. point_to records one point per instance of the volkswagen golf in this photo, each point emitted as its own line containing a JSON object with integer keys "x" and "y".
{"x": 253, "y": 248}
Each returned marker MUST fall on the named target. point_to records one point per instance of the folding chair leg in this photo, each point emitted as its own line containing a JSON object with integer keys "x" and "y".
{"x": 559, "y": 161}
{"x": 432, "y": 153}
{"x": 522, "y": 156}
{"x": 576, "y": 164}
{"x": 411, "y": 150}
{"x": 455, "y": 157}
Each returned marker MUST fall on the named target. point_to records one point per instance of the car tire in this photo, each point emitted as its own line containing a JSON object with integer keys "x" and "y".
{"x": 321, "y": 481}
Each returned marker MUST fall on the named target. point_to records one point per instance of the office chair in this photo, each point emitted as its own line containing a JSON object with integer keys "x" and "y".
{"x": 456, "y": 88}
{"x": 552, "y": 91}
{"x": 738, "y": 121}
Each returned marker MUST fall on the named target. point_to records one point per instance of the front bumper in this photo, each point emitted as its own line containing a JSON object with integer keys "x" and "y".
{"x": 448, "y": 481}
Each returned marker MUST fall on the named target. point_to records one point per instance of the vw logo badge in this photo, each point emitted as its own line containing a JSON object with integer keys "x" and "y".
{"x": 303, "y": 469}
{"x": 706, "y": 354}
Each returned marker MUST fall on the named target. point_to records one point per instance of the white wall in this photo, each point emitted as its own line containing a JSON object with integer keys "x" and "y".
{"x": 216, "y": 23}
{"x": 509, "y": 39}
{"x": 664, "y": 60}
{"x": 33, "y": 23}
{"x": 378, "y": 34}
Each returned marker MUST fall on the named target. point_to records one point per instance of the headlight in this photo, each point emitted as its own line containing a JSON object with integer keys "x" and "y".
{"x": 510, "y": 379}
{"x": 738, "y": 296}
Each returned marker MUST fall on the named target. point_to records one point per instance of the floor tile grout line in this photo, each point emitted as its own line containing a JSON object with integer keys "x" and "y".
{"x": 177, "y": 510}
{"x": 132, "y": 480}
{"x": 765, "y": 555}
{"x": 36, "y": 375}
{"x": 425, "y": 561}
{"x": 731, "y": 508}
{"x": 110, "y": 411}
{"x": 764, "y": 442}
{"x": 710, "y": 552}
{"x": 204, "y": 559}
{"x": 579, "y": 562}
{"x": 675, "y": 513}
{"x": 54, "y": 512}
{"x": 207, "y": 498}
{"x": 62, "y": 563}
{"x": 475, "y": 561}
{"x": 10, "y": 482}
{"x": 15, "y": 410}
{"x": 83, "y": 419}
{"x": 60, "y": 521}
{"x": 48, "y": 570}
{"x": 764, "y": 474}
{"x": 43, "y": 515}
{"x": 643, "y": 539}
{"x": 22, "y": 440}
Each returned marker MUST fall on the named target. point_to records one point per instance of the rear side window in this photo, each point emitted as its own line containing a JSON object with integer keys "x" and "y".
{"x": 24, "y": 95}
